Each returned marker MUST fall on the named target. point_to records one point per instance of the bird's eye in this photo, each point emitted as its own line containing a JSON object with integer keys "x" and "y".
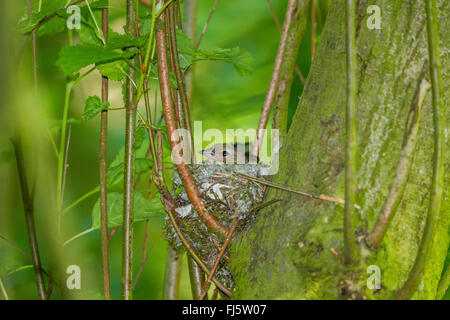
{"x": 224, "y": 153}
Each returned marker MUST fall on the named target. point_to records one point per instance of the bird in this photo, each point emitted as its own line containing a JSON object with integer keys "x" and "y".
{"x": 228, "y": 153}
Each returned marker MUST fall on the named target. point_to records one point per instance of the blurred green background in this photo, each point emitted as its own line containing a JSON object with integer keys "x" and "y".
{"x": 222, "y": 99}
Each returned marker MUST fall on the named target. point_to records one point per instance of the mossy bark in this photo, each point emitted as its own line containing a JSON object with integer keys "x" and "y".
{"x": 294, "y": 248}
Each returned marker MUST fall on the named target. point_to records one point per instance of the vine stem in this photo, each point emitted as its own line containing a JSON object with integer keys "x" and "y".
{"x": 27, "y": 200}
{"x": 163, "y": 67}
{"x": 444, "y": 283}
{"x": 130, "y": 126}
{"x": 398, "y": 186}
{"x": 270, "y": 96}
{"x": 350, "y": 137}
{"x": 437, "y": 182}
{"x": 103, "y": 174}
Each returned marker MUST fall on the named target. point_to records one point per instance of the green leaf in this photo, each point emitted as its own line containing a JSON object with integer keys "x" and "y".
{"x": 240, "y": 58}
{"x": 115, "y": 173}
{"x": 53, "y": 26}
{"x": 49, "y": 7}
{"x": 115, "y": 70}
{"x": 121, "y": 41}
{"x": 143, "y": 209}
{"x": 73, "y": 58}
{"x": 93, "y": 107}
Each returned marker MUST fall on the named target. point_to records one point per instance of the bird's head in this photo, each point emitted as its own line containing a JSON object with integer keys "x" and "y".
{"x": 237, "y": 153}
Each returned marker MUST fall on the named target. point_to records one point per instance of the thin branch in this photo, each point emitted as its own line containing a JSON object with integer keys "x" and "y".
{"x": 437, "y": 182}
{"x": 130, "y": 126}
{"x": 277, "y": 22}
{"x": 189, "y": 26}
{"x": 403, "y": 167}
{"x": 34, "y": 45}
{"x": 12, "y": 244}
{"x": 350, "y": 137}
{"x": 289, "y": 60}
{"x": 66, "y": 165}
{"x": 29, "y": 218}
{"x": 169, "y": 206}
{"x": 265, "y": 112}
{"x": 301, "y": 193}
{"x": 145, "y": 254}
{"x": 172, "y": 275}
{"x": 313, "y": 29}
{"x": 219, "y": 257}
{"x": 185, "y": 110}
{"x": 103, "y": 168}
{"x": 211, "y": 13}
{"x": 183, "y": 170}
{"x": 196, "y": 277}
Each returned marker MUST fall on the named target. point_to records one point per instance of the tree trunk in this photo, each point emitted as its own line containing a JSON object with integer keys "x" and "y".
{"x": 294, "y": 248}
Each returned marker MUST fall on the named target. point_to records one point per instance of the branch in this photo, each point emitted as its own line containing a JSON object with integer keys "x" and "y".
{"x": 172, "y": 276}
{"x": 103, "y": 175}
{"x": 265, "y": 112}
{"x": 350, "y": 137}
{"x": 277, "y": 22}
{"x": 211, "y": 13}
{"x": 289, "y": 60}
{"x": 184, "y": 172}
{"x": 219, "y": 257}
{"x": 130, "y": 126}
{"x": 437, "y": 181}
{"x": 185, "y": 110}
{"x": 403, "y": 167}
{"x": 27, "y": 201}
{"x": 196, "y": 277}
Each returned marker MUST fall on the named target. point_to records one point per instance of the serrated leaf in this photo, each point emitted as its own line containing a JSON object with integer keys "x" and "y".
{"x": 240, "y": 58}
{"x": 49, "y": 7}
{"x": 93, "y": 107}
{"x": 73, "y": 58}
{"x": 115, "y": 70}
{"x": 53, "y": 26}
{"x": 143, "y": 209}
{"x": 120, "y": 41}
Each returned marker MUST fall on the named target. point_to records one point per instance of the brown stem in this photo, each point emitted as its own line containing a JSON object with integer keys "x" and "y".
{"x": 265, "y": 112}
{"x": 172, "y": 276}
{"x": 179, "y": 76}
{"x": 313, "y": 29}
{"x": 211, "y": 13}
{"x": 189, "y": 26}
{"x": 103, "y": 175}
{"x": 145, "y": 254}
{"x": 27, "y": 201}
{"x": 183, "y": 170}
{"x": 277, "y": 22}
{"x": 219, "y": 257}
{"x": 289, "y": 59}
{"x": 130, "y": 126}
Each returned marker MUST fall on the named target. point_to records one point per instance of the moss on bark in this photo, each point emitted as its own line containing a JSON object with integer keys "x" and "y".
{"x": 294, "y": 248}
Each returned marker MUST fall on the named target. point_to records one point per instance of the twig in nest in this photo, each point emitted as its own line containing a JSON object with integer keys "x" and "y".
{"x": 219, "y": 257}
{"x": 301, "y": 193}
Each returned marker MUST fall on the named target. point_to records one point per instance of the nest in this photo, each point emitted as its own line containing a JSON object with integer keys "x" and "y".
{"x": 226, "y": 197}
